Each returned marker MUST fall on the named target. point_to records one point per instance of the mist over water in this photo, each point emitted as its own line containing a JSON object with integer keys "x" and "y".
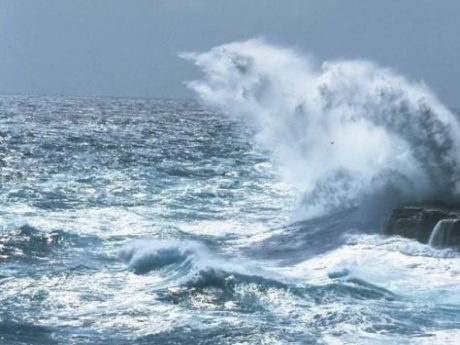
{"x": 347, "y": 133}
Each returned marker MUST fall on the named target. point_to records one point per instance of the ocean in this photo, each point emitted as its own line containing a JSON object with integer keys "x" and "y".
{"x": 251, "y": 215}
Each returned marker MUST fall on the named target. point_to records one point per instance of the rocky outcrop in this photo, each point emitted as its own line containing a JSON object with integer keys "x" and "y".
{"x": 419, "y": 222}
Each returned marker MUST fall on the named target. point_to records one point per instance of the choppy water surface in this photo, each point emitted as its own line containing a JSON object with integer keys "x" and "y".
{"x": 161, "y": 222}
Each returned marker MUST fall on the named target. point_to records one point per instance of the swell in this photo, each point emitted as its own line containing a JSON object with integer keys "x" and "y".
{"x": 13, "y": 332}
{"x": 348, "y": 133}
{"x": 191, "y": 267}
{"x": 26, "y": 243}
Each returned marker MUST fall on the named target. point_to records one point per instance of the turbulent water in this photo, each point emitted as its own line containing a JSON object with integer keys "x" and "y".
{"x": 253, "y": 218}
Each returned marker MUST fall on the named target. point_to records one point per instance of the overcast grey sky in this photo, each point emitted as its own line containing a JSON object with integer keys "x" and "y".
{"x": 130, "y": 47}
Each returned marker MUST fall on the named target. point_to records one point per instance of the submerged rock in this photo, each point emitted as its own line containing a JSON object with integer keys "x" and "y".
{"x": 419, "y": 223}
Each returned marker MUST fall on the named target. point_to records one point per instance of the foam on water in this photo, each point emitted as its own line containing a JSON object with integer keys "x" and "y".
{"x": 403, "y": 266}
{"x": 130, "y": 221}
{"x": 348, "y": 133}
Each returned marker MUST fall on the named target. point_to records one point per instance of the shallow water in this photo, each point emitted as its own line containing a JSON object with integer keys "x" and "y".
{"x": 161, "y": 222}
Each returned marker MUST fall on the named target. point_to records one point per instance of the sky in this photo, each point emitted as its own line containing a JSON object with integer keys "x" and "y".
{"x": 129, "y": 48}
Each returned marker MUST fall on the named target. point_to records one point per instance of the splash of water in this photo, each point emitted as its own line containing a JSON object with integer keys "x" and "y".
{"x": 444, "y": 233}
{"x": 348, "y": 133}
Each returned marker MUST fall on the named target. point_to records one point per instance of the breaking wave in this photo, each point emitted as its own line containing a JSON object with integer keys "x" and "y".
{"x": 189, "y": 266}
{"x": 148, "y": 255}
{"x": 348, "y": 133}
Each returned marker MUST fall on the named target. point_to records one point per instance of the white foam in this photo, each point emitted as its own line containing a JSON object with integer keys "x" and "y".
{"x": 403, "y": 266}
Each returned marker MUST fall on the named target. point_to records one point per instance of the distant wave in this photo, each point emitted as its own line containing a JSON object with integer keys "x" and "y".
{"x": 347, "y": 134}
{"x": 29, "y": 244}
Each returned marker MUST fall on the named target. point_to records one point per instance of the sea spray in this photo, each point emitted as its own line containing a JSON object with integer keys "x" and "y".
{"x": 445, "y": 233}
{"x": 348, "y": 133}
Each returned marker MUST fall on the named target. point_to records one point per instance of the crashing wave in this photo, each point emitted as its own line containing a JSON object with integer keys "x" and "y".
{"x": 348, "y": 133}
{"x": 193, "y": 265}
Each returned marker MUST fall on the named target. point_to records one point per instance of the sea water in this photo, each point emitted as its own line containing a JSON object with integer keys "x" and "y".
{"x": 251, "y": 217}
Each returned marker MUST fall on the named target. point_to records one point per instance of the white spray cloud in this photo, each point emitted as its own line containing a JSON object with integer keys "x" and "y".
{"x": 348, "y": 134}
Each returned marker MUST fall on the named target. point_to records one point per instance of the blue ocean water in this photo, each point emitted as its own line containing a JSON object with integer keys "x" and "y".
{"x": 128, "y": 221}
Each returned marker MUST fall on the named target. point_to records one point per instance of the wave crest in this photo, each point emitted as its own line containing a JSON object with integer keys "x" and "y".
{"x": 145, "y": 256}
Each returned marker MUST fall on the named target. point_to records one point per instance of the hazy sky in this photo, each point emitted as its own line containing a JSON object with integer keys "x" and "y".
{"x": 130, "y": 47}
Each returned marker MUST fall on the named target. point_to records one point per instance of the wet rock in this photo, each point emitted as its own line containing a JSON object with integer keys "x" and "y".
{"x": 418, "y": 222}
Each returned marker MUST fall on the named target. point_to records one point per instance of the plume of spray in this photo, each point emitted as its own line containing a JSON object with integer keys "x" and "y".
{"x": 347, "y": 133}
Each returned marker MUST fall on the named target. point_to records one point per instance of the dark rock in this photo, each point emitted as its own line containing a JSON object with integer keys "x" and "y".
{"x": 418, "y": 222}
